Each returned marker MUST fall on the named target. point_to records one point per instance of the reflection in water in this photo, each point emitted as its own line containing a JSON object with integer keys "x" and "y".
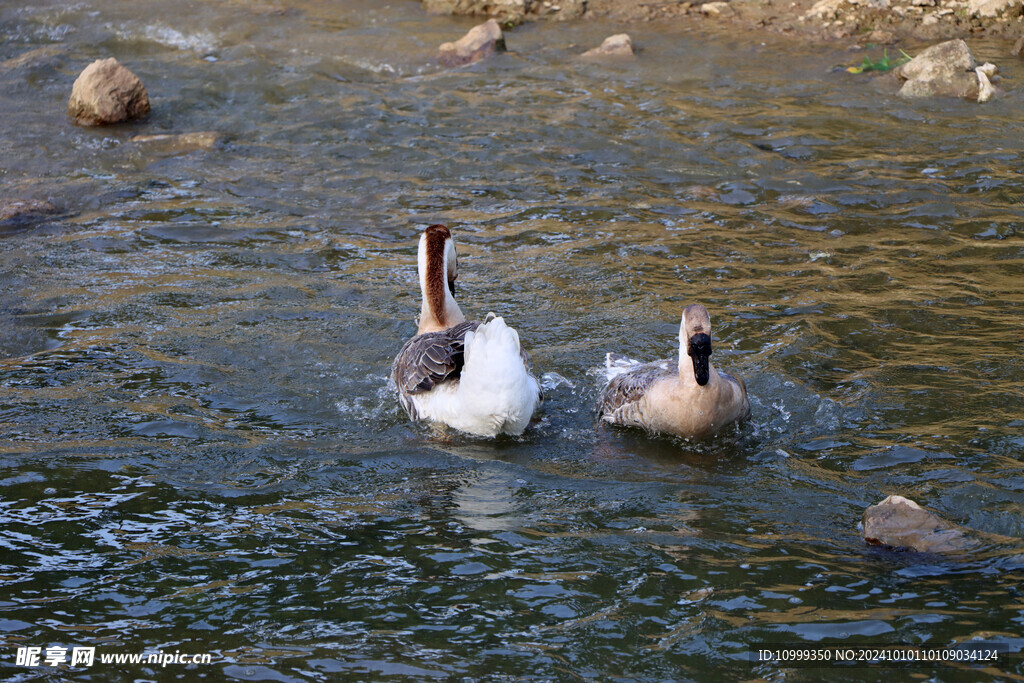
{"x": 486, "y": 502}
{"x": 201, "y": 450}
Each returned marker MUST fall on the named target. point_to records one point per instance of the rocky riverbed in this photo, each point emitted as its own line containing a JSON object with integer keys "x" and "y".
{"x": 864, "y": 21}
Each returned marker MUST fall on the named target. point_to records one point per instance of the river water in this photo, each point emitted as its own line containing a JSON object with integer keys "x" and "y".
{"x": 200, "y": 450}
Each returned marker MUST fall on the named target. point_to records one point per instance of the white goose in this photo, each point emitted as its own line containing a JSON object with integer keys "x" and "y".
{"x": 687, "y": 398}
{"x": 472, "y": 376}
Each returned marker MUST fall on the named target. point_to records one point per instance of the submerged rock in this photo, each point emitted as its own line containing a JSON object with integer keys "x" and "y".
{"x": 16, "y": 212}
{"x": 106, "y": 92}
{"x": 899, "y": 522}
{"x": 943, "y": 70}
{"x": 180, "y": 143}
{"x": 481, "y": 41}
{"x": 39, "y": 55}
{"x": 986, "y": 74}
{"x": 619, "y": 45}
{"x": 1018, "y": 48}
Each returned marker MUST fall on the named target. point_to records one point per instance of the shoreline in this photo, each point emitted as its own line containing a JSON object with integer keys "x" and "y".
{"x": 879, "y": 22}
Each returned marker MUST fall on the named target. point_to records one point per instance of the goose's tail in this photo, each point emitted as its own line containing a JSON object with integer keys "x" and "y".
{"x": 497, "y": 392}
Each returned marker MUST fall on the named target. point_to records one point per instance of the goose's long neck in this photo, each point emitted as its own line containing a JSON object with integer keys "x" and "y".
{"x": 685, "y": 364}
{"x": 438, "y": 310}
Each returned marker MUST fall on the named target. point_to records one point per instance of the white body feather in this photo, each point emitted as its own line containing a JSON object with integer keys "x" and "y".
{"x": 495, "y": 393}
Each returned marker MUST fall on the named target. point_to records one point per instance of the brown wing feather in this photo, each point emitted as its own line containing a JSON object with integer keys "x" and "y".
{"x": 427, "y": 360}
{"x": 629, "y": 387}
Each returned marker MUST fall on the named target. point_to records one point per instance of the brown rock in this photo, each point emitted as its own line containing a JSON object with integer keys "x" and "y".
{"x": 481, "y": 41}
{"x": 17, "y": 211}
{"x": 943, "y": 70}
{"x": 1018, "y": 48}
{"x": 106, "y": 92}
{"x": 617, "y": 46}
{"x": 898, "y": 522}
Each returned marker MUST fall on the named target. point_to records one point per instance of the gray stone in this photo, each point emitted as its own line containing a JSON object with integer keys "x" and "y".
{"x": 943, "y": 70}
{"x": 481, "y": 41}
{"x": 617, "y": 46}
{"x": 106, "y": 92}
{"x": 901, "y": 523}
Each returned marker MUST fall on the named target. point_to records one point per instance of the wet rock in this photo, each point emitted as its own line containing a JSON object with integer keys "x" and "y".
{"x": 617, "y": 46}
{"x": 502, "y": 10}
{"x": 899, "y": 522}
{"x": 106, "y": 92}
{"x": 1018, "y": 48}
{"x": 18, "y": 212}
{"x": 994, "y": 8}
{"x": 32, "y": 57}
{"x": 986, "y": 74}
{"x": 481, "y": 41}
{"x": 943, "y": 70}
{"x": 178, "y": 144}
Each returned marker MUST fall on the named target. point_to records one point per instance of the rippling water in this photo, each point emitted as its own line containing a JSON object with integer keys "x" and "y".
{"x": 200, "y": 451}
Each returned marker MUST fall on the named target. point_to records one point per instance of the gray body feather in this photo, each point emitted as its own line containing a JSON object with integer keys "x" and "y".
{"x": 628, "y": 388}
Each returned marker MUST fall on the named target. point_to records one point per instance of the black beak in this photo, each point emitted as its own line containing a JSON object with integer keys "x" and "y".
{"x": 699, "y": 350}
{"x": 451, "y": 287}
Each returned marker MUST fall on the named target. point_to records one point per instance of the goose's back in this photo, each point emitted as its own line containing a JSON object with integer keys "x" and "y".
{"x": 621, "y": 399}
{"x": 428, "y": 360}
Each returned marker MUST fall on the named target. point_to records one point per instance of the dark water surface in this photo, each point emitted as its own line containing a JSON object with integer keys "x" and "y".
{"x": 200, "y": 450}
